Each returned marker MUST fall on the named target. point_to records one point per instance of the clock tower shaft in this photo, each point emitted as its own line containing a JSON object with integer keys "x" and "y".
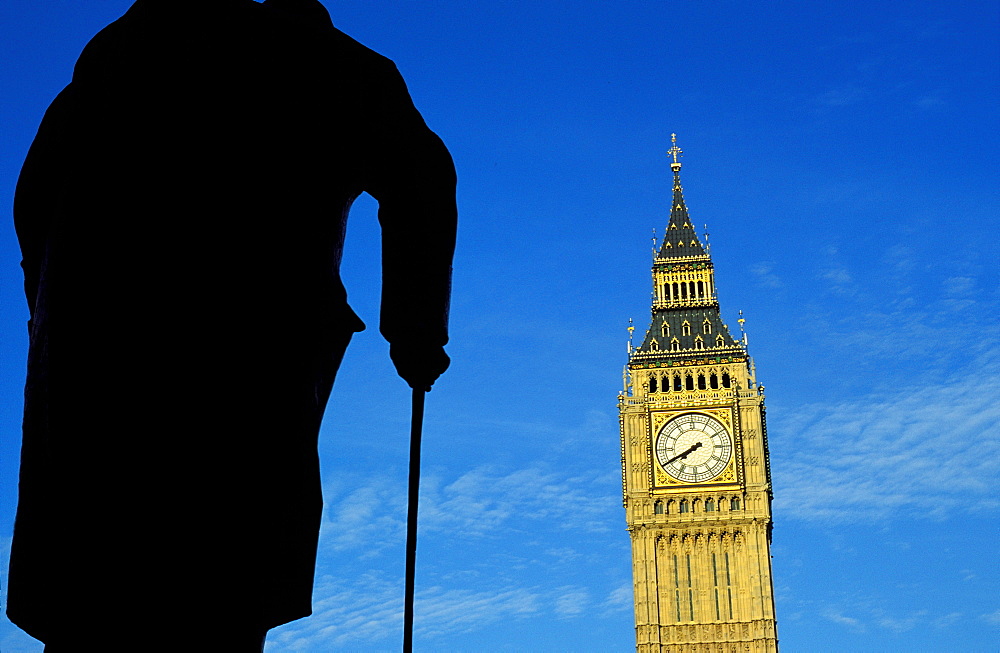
{"x": 695, "y": 469}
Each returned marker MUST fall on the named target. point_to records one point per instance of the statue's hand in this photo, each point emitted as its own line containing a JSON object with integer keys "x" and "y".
{"x": 418, "y": 364}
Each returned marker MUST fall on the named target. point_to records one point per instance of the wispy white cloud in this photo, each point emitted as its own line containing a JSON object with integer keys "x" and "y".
{"x": 901, "y": 259}
{"x": 863, "y": 617}
{"x": 842, "y": 96}
{"x": 12, "y": 638}
{"x": 961, "y": 286}
{"x": 946, "y": 620}
{"x": 903, "y": 624}
{"x": 766, "y": 277}
{"x": 931, "y": 101}
{"x": 839, "y": 618}
{"x": 572, "y": 601}
{"x": 481, "y": 500}
{"x": 357, "y": 604}
{"x": 992, "y": 617}
{"x": 15, "y": 640}
{"x": 369, "y": 612}
{"x": 619, "y": 599}
{"x": 564, "y": 554}
{"x": 927, "y": 448}
{"x": 836, "y": 276}
{"x": 369, "y": 516}
{"x": 445, "y": 610}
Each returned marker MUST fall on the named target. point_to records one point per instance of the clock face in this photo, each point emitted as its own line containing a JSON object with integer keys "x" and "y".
{"x": 693, "y": 448}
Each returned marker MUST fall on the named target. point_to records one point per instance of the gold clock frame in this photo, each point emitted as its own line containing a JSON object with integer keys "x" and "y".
{"x": 660, "y": 482}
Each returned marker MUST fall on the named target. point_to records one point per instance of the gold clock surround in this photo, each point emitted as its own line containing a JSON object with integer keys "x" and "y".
{"x": 663, "y": 478}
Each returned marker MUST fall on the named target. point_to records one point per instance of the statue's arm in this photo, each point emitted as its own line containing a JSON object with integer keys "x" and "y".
{"x": 414, "y": 182}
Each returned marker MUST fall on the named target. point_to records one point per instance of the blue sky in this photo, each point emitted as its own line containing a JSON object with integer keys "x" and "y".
{"x": 842, "y": 156}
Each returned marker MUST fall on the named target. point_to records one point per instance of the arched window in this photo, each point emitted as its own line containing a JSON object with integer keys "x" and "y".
{"x": 720, "y": 341}
{"x": 658, "y": 508}
{"x": 684, "y": 291}
{"x": 709, "y": 505}
{"x": 734, "y": 503}
{"x": 691, "y": 285}
{"x": 701, "y": 382}
{"x": 677, "y": 294}
{"x": 699, "y": 343}
{"x": 686, "y": 328}
{"x": 675, "y": 345}
{"x": 684, "y": 505}
{"x": 689, "y": 382}
{"x": 713, "y": 382}
{"x": 701, "y": 290}
{"x": 706, "y": 327}
{"x": 655, "y": 346}
{"x": 726, "y": 382}
{"x": 653, "y": 384}
{"x": 677, "y": 383}
{"x": 665, "y": 329}
{"x": 666, "y": 292}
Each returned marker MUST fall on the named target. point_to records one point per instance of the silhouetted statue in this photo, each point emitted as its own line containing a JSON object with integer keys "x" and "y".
{"x": 181, "y": 216}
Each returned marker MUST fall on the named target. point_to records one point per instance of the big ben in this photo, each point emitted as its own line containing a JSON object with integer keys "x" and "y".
{"x": 695, "y": 469}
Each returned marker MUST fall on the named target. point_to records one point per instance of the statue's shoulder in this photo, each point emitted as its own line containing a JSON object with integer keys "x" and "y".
{"x": 356, "y": 50}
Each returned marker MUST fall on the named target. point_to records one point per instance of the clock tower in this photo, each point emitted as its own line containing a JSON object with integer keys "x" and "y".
{"x": 695, "y": 471}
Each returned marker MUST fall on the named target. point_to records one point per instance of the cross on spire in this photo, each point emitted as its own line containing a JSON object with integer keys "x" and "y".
{"x": 674, "y": 151}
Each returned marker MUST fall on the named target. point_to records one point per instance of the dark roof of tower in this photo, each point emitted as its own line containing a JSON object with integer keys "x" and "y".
{"x": 680, "y": 240}
{"x": 668, "y": 338}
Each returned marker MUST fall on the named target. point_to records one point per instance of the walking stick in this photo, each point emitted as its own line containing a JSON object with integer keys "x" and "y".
{"x": 416, "y": 427}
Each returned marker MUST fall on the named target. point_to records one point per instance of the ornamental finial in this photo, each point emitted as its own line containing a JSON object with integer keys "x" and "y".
{"x": 674, "y": 151}
{"x": 742, "y": 321}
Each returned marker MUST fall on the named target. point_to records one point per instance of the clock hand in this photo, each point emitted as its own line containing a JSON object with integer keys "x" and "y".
{"x": 683, "y": 455}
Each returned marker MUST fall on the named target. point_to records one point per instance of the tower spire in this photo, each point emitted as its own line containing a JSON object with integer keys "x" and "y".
{"x": 685, "y": 310}
{"x": 680, "y": 240}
